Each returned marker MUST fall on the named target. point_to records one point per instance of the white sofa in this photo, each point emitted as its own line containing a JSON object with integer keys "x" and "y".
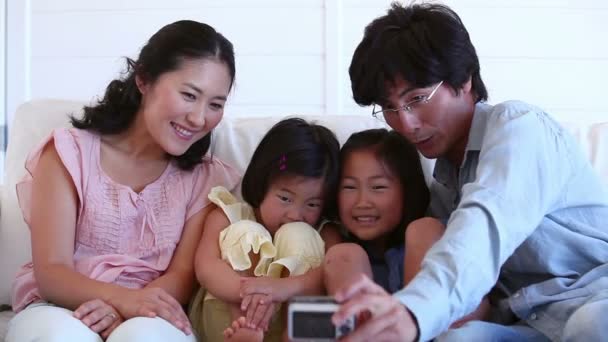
{"x": 234, "y": 142}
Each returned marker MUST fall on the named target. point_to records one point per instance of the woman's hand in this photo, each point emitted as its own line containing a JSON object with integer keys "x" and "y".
{"x": 152, "y": 302}
{"x": 386, "y": 319}
{"x": 259, "y": 310}
{"x": 99, "y": 316}
{"x": 278, "y": 290}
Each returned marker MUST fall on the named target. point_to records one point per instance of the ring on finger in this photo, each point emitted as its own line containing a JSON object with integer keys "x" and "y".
{"x": 112, "y": 316}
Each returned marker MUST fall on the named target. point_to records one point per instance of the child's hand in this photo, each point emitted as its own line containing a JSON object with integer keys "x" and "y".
{"x": 277, "y": 289}
{"x": 259, "y": 309}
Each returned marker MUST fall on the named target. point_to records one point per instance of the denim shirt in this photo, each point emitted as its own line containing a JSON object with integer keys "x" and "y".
{"x": 525, "y": 205}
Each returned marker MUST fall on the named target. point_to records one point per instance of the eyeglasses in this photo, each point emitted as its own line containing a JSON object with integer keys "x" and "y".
{"x": 390, "y": 114}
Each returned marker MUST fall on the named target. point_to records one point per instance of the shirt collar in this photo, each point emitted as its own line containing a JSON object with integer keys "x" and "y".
{"x": 443, "y": 168}
{"x": 478, "y": 128}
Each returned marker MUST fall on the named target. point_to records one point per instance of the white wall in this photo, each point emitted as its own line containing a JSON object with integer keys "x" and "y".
{"x": 293, "y": 55}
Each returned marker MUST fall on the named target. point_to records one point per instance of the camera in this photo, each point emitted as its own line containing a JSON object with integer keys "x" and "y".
{"x": 309, "y": 319}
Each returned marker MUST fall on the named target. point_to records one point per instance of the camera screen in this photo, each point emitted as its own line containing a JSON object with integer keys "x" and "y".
{"x": 313, "y": 325}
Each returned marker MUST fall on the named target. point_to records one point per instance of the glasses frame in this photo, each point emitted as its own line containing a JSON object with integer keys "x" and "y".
{"x": 381, "y": 113}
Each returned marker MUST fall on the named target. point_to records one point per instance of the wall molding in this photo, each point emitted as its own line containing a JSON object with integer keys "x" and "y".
{"x": 18, "y": 55}
{"x": 3, "y": 49}
{"x": 3, "y": 84}
{"x": 333, "y": 57}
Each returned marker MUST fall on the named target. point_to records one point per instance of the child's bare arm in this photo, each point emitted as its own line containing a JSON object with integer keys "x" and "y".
{"x": 309, "y": 283}
{"x": 214, "y": 274}
{"x": 330, "y": 235}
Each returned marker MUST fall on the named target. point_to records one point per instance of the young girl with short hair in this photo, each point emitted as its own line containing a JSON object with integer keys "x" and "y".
{"x": 258, "y": 253}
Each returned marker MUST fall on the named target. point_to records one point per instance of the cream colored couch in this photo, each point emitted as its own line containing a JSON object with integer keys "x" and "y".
{"x": 234, "y": 142}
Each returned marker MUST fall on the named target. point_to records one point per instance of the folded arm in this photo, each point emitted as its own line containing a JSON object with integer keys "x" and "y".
{"x": 213, "y": 273}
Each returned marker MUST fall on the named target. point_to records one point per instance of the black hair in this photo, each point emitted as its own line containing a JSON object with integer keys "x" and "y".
{"x": 293, "y": 147}
{"x": 401, "y": 159}
{"x": 164, "y": 52}
{"x": 423, "y": 44}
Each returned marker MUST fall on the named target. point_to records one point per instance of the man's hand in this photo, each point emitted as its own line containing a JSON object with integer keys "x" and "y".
{"x": 387, "y": 319}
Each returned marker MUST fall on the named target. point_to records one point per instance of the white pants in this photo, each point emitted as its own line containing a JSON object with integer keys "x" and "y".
{"x": 48, "y": 323}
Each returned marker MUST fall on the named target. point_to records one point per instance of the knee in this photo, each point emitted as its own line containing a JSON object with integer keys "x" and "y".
{"x": 48, "y": 324}
{"x": 471, "y": 331}
{"x": 146, "y": 329}
{"x": 345, "y": 253}
{"x": 424, "y": 230}
{"x": 588, "y": 323}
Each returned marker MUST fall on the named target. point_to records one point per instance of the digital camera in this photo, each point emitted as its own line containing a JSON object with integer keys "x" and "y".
{"x": 309, "y": 319}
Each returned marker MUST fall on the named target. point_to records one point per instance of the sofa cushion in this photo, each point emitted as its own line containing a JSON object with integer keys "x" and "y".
{"x": 5, "y": 317}
{"x": 234, "y": 141}
{"x": 598, "y": 149}
{"x": 33, "y": 121}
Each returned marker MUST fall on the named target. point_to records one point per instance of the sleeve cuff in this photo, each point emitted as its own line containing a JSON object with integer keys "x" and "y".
{"x": 430, "y": 314}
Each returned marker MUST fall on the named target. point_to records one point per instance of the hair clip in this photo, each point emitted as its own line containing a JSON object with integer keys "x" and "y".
{"x": 283, "y": 163}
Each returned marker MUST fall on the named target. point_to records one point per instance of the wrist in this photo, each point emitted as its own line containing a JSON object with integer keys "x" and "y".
{"x": 115, "y": 294}
{"x": 290, "y": 287}
{"x": 415, "y": 324}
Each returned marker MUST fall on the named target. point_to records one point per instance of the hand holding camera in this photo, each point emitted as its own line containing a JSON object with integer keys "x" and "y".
{"x": 389, "y": 319}
{"x": 309, "y": 318}
{"x": 362, "y": 311}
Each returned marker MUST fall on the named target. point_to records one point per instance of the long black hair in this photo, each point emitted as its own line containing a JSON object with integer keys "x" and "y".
{"x": 164, "y": 52}
{"x": 402, "y": 160}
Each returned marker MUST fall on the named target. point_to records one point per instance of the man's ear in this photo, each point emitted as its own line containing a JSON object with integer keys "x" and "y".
{"x": 467, "y": 86}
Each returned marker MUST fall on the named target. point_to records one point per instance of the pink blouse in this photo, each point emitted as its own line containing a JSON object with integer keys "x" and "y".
{"x": 122, "y": 237}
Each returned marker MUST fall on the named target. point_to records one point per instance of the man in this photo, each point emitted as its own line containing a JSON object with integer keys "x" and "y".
{"x": 525, "y": 214}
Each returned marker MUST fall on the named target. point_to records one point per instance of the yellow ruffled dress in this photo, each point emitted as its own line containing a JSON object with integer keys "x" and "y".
{"x": 296, "y": 247}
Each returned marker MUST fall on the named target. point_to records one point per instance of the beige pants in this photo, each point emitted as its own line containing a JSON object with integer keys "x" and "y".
{"x": 299, "y": 248}
{"x": 211, "y": 317}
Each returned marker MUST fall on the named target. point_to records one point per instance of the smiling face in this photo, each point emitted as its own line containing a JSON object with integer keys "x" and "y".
{"x": 439, "y": 127}
{"x": 370, "y": 198}
{"x": 182, "y": 106}
{"x": 291, "y": 199}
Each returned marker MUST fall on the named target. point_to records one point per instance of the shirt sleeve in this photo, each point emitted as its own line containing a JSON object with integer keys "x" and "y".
{"x": 211, "y": 173}
{"x": 523, "y": 166}
{"x": 72, "y": 149}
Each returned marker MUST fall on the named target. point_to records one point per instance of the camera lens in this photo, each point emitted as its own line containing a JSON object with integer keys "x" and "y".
{"x": 345, "y": 329}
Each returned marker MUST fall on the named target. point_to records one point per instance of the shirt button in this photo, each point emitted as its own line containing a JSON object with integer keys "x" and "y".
{"x": 533, "y": 316}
